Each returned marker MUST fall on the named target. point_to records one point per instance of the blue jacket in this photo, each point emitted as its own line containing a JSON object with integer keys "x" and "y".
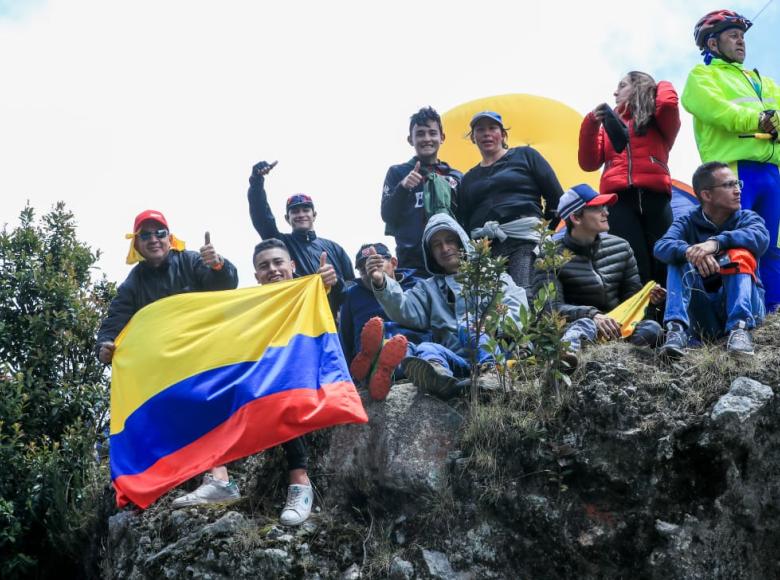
{"x": 360, "y": 305}
{"x": 180, "y": 272}
{"x": 305, "y": 247}
{"x": 744, "y": 229}
{"x": 404, "y": 214}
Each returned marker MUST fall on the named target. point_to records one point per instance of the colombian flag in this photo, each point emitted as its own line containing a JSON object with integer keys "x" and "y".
{"x": 203, "y": 378}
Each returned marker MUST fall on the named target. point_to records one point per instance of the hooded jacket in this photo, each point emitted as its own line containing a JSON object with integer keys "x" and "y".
{"x": 304, "y": 246}
{"x": 437, "y": 303}
{"x": 725, "y": 100}
{"x": 403, "y": 211}
{"x": 643, "y": 163}
{"x": 360, "y": 305}
{"x": 180, "y": 272}
{"x": 744, "y": 229}
{"x": 598, "y": 277}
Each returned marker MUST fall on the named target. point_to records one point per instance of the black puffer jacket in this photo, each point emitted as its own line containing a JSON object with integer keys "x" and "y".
{"x": 597, "y": 278}
{"x": 181, "y": 272}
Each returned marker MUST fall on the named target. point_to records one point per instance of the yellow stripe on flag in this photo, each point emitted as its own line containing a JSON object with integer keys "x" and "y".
{"x": 199, "y": 331}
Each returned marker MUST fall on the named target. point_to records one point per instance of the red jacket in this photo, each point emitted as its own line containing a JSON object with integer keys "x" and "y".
{"x": 644, "y": 162}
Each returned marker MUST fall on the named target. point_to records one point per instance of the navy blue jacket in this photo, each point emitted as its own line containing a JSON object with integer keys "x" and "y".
{"x": 180, "y": 272}
{"x": 360, "y": 305}
{"x": 511, "y": 188}
{"x": 744, "y": 229}
{"x": 404, "y": 214}
{"x": 305, "y": 247}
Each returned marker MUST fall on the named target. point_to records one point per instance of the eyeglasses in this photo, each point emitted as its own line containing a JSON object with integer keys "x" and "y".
{"x": 146, "y": 236}
{"x": 734, "y": 184}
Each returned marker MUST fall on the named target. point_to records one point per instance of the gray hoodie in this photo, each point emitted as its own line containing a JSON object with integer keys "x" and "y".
{"x": 427, "y": 306}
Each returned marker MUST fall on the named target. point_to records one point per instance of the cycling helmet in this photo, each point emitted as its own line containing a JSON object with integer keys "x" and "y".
{"x": 716, "y": 22}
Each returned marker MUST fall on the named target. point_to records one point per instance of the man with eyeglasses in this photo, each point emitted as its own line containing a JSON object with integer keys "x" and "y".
{"x": 304, "y": 245}
{"x": 165, "y": 268}
{"x": 162, "y": 271}
{"x": 601, "y": 274}
{"x": 736, "y": 121}
{"x": 712, "y": 276}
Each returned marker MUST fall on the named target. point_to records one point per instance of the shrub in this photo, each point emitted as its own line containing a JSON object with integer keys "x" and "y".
{"x": 53, "y": 395}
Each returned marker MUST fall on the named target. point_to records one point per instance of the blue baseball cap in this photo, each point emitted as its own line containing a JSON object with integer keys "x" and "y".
{"x": 492, "y": 115}
{"x": 580, "y": 196}
{"x": 364, "y": 252}
{"x": 299, "y": 199}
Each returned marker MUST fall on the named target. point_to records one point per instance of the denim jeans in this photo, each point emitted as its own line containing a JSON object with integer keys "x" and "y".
{"x": 646, "y": 333}
{"x": 431, "y": 351}
{"x": 714, "y": 314}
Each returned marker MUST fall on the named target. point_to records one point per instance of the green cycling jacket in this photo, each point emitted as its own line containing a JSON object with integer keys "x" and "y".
{"x": 725, "y": 100}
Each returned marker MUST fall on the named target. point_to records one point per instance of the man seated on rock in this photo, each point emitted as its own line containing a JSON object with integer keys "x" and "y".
{"x": 601, "y": 274}
{"x": 437, "y": 304}
{"x": 164, "y": 269}
{"x": 304, "y": 245}
{"x": 273, "y": 264}
{"x": 372, "y": 342}
{"x": 712, "y": 277}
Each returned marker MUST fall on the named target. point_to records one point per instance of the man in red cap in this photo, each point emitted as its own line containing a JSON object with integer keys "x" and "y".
{"x": 164, "y": 268}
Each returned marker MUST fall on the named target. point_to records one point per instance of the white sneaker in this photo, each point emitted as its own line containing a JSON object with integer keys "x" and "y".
{"x": 297, "y": 510}
{"x": 211, "y": 491}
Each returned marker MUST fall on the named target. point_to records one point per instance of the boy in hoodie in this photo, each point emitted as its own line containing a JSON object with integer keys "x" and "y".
{"x": 437, "y": 304}
{"x": 403, "y": 195}
{"x": 372, "y": 342}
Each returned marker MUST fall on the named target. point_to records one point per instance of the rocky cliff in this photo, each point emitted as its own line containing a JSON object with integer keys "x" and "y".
{"x": 642, "y": 469}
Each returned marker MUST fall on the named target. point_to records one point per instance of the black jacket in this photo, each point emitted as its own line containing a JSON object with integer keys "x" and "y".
{"x": 597, "y": 278}
{"x": 181, "y": 272}
{"x": 511, "y": 188}
{"x": 305, "y": 247}
{"x": 404, "y": 214}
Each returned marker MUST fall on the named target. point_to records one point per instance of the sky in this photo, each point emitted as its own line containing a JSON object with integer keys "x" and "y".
{"x": 116, "y": 107}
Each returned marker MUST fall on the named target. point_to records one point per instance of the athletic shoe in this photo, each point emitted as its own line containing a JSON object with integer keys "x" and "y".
{"x": 391, "y": 355}
{"x": 297, "y": 510}
{"x": 431, "y": 377}
{"x": 676, "y": 342}
{"x": 571, "y": 359}
{"x": 211, "y": 491}
{"x": 739, "y": 341}
{"x": 371, "y": 338}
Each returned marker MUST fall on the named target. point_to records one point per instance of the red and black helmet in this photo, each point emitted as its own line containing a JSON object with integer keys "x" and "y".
{"x": 717, "y": 21}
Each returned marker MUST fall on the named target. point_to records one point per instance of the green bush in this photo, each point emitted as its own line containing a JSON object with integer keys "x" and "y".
{"x": 53, "y": 396}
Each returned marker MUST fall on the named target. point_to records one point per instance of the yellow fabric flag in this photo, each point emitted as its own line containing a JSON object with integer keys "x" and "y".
{"x": 631, "y": 312}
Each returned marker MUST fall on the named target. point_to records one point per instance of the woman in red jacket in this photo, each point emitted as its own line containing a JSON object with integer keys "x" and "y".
{"x": 639, "y": 173}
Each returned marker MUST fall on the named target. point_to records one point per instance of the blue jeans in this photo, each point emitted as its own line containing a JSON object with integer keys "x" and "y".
{"x": 714, "y": 314}
{"x": 646, "y": 333}
{"x": 454, "y": 363}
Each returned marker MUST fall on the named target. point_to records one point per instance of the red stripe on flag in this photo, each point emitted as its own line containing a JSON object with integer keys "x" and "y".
{"x": 259, "y": 425}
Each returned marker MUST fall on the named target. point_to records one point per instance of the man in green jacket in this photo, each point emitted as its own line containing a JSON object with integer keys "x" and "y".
{"x": 735, "y": 121}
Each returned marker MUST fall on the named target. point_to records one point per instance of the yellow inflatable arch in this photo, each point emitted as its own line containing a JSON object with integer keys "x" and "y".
{"x": 548, "y": 126}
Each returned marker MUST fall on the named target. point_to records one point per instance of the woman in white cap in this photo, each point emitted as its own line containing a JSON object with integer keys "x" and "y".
{"x": 507, "y": 195}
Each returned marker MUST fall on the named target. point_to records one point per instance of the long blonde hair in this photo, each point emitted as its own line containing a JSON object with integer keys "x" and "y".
{"x": 641, "y": 103}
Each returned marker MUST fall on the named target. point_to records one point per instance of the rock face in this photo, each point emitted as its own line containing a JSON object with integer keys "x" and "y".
{"x": 647, "y": 471}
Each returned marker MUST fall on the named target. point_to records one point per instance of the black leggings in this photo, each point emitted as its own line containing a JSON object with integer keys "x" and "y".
{"x": 641, "y": 217}
{"x": 520, "y": 260}
{"x": 296, "y": 453}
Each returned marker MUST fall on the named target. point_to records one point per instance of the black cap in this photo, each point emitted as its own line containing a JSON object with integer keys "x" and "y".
{"x": 363, "y": 254}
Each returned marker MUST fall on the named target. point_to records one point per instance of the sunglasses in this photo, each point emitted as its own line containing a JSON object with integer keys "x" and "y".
{"x": 146, "y": 236}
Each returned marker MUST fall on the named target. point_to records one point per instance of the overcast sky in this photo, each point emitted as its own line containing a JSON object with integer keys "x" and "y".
{"x": 116, "y": 107}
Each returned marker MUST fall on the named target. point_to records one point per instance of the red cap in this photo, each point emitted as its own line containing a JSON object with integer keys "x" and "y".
{"x": 149, "y": 214}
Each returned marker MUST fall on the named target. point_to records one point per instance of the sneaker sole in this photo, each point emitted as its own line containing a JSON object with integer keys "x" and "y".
{"x": 371, "y": 338}
{"x": 225, "y": 501}
{"x": 392, "y": 353}
{"x": 429, "y": 381}
{"x": 672, "y": 353}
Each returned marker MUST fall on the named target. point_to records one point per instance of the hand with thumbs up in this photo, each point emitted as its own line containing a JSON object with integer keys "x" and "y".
{"x": 413, "y": 179}
{"x": 375, "y": 264}
{"x": 327, "y": 271}
{"x": 209, "y": 255}
{"x": 260, "y": 170}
